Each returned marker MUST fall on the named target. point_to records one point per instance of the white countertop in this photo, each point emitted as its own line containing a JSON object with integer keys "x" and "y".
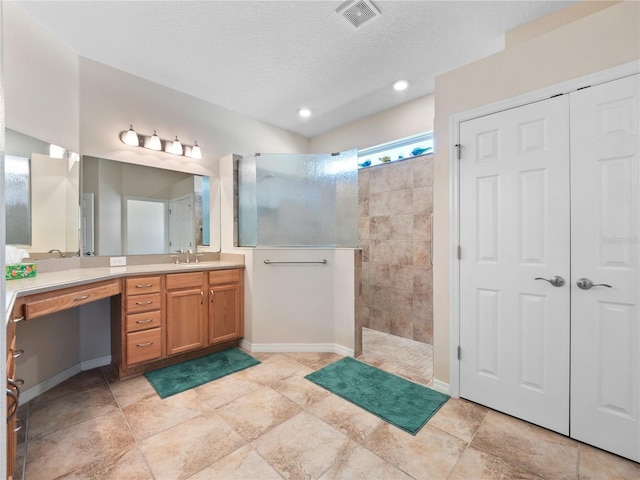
{"x": 48, "y": 281}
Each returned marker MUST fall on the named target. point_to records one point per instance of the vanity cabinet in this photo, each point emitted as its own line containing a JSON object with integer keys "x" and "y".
{"x": 143, "y": 320}
{"x": 225, "y": 305}
{"x": 186, "y": 312}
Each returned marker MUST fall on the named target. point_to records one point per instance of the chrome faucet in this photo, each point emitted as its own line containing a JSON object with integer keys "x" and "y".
{"x": 55, "y": 250}
{"x": 189, "y": 252}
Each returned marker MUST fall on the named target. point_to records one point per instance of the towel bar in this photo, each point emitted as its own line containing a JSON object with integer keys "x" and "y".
{"x": 270, "y": 262}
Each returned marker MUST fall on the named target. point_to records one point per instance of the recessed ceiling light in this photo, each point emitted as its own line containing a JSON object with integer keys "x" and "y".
{"x": 400, "y": 85}
{"x": 304, "y": 112}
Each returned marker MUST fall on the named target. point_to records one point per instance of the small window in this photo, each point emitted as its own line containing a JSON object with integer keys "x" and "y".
{"x": 396, "y": 150}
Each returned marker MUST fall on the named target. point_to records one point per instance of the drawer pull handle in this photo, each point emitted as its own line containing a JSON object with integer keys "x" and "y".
{"x": 18, "y": 353}
{"x": 148, "y": 320}
{"x": 212, "y": 295}
{"x": 19, "y": 425}
{"x": 82, "y": 297}
{"x": 15, "y": 382}
{"x": 13, "y": 408}
{"x": 148, "y": 285}
{"x": 201, "y": 297}
{"x": 18, "y": 319}
{"x": 149, "y": 302}
{"x": 142, "y": 345}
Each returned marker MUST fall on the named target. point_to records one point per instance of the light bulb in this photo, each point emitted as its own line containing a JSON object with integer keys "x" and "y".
{"x": 400, "y": 85}
{"x": 304, "y": 112}
{"x": 131, "y": 138}
{"x": 176, "y": 147}
{"x": 196, "y": 152}
{"x": 154, "y": 142}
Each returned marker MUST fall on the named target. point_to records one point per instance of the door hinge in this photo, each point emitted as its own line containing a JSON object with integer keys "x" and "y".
{"x": 459, "y": 352}
{"x": 459, "y": 252}
{"x": 458, "y": 148}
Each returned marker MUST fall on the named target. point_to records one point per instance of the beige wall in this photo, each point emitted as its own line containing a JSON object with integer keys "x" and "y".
{"x": 410, "y": 118}
{"x": 41, "y": 82}
{"x": 592, "y": 43}
{"x": 111, "y": 99}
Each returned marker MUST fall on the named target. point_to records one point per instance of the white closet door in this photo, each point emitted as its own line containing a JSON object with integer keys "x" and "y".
{"x": 605, "y": 332}
{"x": 514, "y": 228}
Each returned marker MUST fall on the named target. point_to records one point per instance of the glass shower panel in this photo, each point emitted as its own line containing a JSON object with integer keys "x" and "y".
{"x": 247, "y": 208}
{"x": 298, "y": 200}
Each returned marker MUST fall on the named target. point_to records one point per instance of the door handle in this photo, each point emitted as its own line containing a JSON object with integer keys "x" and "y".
{"x": 556, "y": 281}
{"x": 586, "y": 284}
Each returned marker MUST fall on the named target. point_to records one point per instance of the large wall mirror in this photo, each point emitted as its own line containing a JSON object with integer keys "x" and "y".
{"x": 42, "y": 185}
{"x": 130, "y": 209}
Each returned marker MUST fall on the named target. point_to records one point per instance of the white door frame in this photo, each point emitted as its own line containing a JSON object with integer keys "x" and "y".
{"x": 596, "y": 78}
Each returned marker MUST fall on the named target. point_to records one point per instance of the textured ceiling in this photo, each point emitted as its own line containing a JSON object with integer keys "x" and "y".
{"x": 266, "y": 59}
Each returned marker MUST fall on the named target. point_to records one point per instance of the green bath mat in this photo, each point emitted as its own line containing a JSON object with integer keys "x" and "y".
{"x": 400, "y": 402}
{"x": 177, "y": 378}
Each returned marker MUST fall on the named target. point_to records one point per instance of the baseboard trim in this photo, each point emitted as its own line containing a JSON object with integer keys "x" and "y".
{"x": 440, "y": 386}
{"x": 57, "y": 379}
{"x": 296, "y": 347}
{"x": 95, "y": 363}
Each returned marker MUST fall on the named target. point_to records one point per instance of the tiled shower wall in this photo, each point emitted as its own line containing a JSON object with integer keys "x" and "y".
{"x": 395, "y": 207}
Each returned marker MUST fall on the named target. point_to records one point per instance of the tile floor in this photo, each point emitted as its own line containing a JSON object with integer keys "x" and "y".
{"x": 268, "y": 422}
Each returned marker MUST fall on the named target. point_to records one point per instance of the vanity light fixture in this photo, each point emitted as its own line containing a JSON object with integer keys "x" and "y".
{"x": 400, "y": 85}
{"x": 131, "y": 137}
{"x": 196, "y": 152}
{"x": 176, "y": 147}
{"x": 154, "y": 142}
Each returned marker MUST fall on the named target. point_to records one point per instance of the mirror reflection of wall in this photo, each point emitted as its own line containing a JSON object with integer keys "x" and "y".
{"x": 42, "y": 188}
{"x": 136, "y": 209}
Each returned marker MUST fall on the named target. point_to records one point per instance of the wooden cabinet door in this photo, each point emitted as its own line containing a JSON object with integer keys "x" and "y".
{"x": 225, "y": 314}
{"x": 186, "y": 320}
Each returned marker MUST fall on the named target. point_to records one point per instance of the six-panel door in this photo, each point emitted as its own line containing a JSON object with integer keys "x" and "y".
{"x": 605, "y": 248}
{"x": 514, "y": 234}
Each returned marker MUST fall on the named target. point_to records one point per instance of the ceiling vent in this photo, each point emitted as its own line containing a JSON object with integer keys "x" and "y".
{"x": 359, "y": 12}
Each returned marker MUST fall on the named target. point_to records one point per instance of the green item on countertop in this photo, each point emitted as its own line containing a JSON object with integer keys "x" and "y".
{"x": 15, "y": 271}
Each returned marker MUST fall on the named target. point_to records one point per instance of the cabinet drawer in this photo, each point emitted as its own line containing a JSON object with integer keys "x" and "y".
{"x": 184, "y": 280}
{"x": 143, "y": 346}
{"x": 143, "y": 303}
{"x": 224, "y": 276}
{"x": 140, "y": 285}
{"x": 143, "y": 321}
{"x": 57, "y": 301}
